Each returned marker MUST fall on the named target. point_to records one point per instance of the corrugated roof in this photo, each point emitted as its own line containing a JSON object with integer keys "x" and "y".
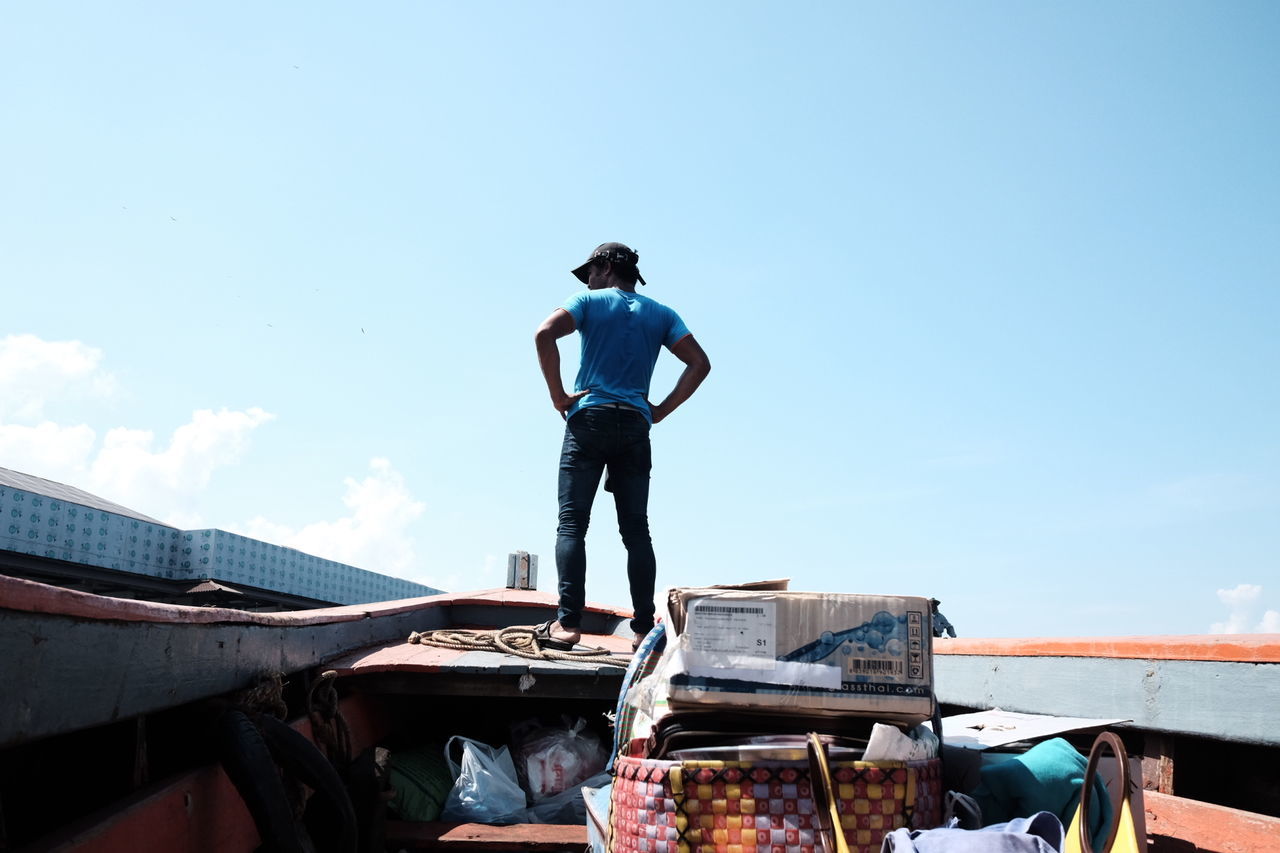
{"x": 60, "y": 491}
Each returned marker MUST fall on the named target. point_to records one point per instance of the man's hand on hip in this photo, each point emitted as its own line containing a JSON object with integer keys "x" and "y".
{"x": 565, "y": 402}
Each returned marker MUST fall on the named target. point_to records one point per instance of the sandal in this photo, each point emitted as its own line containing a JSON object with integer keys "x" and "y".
{"x": 542, "y": 633}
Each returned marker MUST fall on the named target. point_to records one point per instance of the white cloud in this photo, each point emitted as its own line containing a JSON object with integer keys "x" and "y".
{"x": 1242, "y": 595}
{"x": 165, "y": 477}
{"x": 128, "y": 466}
{"x": 134, "y": 471}
{"x": 33, "y": 372}
{"x": 47, "y": 450}
{"x": 374, "y": 535}
{"x": 1243, "y": 603}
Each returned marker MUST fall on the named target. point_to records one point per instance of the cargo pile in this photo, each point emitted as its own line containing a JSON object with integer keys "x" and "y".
{"x": 756, "y": 718}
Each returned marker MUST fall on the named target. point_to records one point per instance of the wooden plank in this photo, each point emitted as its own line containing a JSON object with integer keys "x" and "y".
{"x": 199, "y": 812}
{"x": 407, "y": 657}
{"x": 478, "y": 836}
{"x": 604, "y": 686}
{"x": 529, "y": 597}
{"x": 1157, "y": 762}
{"x": 1228, "y": 701}
{"x": 1241, "y": 648}
{"x": 1207, "y": 828}
{"x": 486, "y": 614}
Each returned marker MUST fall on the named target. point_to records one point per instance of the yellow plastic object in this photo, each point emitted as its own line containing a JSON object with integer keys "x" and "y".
{"x": 1123, "y": 838}
{"x": 825, "y": 796}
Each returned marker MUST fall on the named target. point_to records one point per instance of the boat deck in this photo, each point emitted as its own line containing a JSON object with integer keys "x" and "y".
{"x": 406, "y": 668}
{"x": 405, "y": 657}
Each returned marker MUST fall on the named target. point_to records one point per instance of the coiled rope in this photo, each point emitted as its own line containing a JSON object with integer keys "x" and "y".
{"x": 328, "y": 727}
{"x": 265, "y": 697}
{"x": 518, "y": 640}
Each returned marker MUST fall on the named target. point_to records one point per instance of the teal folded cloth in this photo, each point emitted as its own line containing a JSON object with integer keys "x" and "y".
{"x": 1046, "y": 778}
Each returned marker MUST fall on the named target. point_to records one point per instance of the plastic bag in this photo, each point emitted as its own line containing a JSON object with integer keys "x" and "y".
{"x": 889, "y": 743}
{"x": 485, "y": 789}
{"x": 567, "y": 807}
{"x": 596, "y": 801}
{"x": 555, "y": 760}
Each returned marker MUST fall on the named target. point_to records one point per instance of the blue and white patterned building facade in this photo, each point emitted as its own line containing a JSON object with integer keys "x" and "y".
{"x": 45, "y": 519}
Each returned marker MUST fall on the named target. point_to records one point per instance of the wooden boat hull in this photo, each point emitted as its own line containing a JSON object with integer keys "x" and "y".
{"x": 87, "y": 661}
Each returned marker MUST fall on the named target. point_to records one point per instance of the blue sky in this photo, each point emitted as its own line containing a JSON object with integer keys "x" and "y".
{"x": 990, "y": 289}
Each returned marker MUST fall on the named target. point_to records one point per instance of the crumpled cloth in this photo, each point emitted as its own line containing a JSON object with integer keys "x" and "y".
{"x": 1040, "y": 833}
{"x": 1046, "y": 778}
{"x": 889, "y": 743}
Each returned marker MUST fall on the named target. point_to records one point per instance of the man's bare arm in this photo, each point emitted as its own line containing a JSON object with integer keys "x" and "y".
{"x": 696, "y": 368}
{"x": 556, "y": 326}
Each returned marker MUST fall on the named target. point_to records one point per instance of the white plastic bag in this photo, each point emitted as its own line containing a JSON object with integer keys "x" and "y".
{"x": 485, "y": 789}
{"x": 889, "y": 743}
{"x": 568, "y": 806}
{"x": 555, "y": 760}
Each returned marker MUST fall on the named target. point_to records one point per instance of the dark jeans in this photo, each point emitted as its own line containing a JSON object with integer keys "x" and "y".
{"x": 597, "y": 438}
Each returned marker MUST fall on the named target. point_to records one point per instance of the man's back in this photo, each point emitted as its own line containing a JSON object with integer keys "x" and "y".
{"x": 622, "y": 334}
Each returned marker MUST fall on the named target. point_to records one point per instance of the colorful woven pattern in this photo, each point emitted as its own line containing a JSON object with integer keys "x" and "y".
{"x": 729, "y": 807}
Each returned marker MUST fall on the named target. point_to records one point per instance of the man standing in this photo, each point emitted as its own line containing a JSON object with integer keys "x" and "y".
{"x": 608, "y": 417}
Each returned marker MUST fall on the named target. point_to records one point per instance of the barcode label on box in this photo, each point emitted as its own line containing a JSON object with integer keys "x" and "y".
{"x": 721, "y": 632}
{"x": 874, "y": 666}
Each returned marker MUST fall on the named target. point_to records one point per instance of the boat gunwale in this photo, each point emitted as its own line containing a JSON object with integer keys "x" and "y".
{"x": 1226, "y": 648}
{"x": 28, "y": 596}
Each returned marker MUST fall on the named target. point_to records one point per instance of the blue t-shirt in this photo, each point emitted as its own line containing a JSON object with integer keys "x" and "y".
{"x": 622, "y": 334}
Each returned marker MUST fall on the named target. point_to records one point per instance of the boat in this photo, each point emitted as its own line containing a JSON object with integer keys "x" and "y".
{"x": 106, "y": 740}
{"x": 111, "y": 706}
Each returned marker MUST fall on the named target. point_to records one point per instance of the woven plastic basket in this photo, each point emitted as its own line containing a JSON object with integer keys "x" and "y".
{"x": 732, "y": 807}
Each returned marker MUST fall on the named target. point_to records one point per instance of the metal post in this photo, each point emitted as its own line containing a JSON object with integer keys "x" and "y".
{"x": 522, "y": 570}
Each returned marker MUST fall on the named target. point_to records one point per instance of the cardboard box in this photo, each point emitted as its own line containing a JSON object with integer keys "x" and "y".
{"x": 808, "y": 653}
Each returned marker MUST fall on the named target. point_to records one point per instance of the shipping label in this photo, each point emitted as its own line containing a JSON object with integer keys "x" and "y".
{"x": 730, "y": 631}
